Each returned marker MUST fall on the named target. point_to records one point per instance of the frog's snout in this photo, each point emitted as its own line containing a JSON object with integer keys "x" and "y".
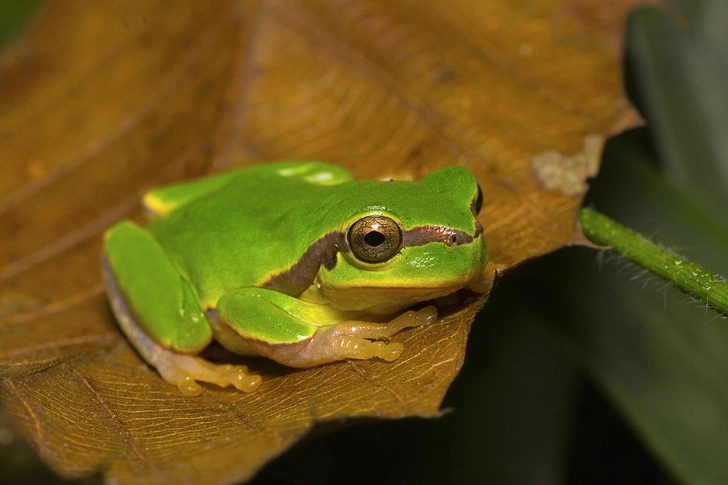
{"x": 478, "y": 229}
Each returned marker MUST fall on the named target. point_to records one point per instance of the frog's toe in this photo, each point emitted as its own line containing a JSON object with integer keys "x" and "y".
{"x": 424, "y": 316}
{"x": 388, "y": 351}
{"x": 411, "y": 318}
{"x": 358, "y": 348}
{"x": 237, "y": 375}
{"x": 188, "y": 386}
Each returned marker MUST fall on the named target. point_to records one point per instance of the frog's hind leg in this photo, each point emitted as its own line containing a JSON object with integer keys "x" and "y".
{"x": 178, "y": 369}
{"x": 159, "y": 314}
{"x": 301, "y": 334}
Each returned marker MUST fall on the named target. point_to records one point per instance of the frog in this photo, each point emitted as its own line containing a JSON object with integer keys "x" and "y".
{"x": 296, "y": 261}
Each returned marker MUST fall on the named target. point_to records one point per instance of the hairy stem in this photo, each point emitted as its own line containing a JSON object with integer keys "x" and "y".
{"x": 686, "y": 275}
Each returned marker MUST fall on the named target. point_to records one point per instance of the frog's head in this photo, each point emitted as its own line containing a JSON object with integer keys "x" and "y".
{"x": 404, "y": 242}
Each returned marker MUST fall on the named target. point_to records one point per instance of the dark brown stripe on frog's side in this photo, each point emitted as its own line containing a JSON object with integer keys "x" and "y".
{"x": 299, "y": 277}
{"x": 421, "y": 235}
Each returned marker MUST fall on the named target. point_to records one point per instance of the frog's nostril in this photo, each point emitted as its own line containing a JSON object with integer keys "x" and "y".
{"x": 477, "y": 203}
{"x": 478, "y": 228}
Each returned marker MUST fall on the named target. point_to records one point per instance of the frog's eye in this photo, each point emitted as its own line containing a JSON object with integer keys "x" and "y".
{"x": 374, "y": 239}
{"x": 477, "y": 202}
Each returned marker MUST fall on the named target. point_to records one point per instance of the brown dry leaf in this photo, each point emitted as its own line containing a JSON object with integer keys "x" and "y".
{"x": 99, "y": 100}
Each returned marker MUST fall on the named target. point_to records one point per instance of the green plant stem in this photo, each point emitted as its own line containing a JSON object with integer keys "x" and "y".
{"x": 691, "y": 278}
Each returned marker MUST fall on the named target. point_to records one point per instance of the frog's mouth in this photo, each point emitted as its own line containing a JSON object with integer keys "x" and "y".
{"x": 392, "y": 299}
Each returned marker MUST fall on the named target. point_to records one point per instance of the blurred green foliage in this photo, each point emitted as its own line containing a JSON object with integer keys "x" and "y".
{"x": 13, "y": 13}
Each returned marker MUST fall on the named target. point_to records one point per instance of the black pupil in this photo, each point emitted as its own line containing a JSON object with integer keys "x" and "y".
{"x": 374, "y": 238}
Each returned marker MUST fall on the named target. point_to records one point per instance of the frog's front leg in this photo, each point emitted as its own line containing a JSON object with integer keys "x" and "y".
{"x": 301, "y": 334}
{"x": 159, "y": 314}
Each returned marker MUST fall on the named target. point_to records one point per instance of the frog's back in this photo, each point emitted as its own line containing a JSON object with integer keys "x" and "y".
{"x": 255, "y": 224}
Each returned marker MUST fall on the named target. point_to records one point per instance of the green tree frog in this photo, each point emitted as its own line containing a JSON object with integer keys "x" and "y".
{"x": 295, "y": 261}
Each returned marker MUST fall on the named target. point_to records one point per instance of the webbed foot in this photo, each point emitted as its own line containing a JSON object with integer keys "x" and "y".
{"x": 184, "y": 371}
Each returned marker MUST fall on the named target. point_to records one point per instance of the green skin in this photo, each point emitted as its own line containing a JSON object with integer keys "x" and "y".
{"x": 262, "y": 260}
